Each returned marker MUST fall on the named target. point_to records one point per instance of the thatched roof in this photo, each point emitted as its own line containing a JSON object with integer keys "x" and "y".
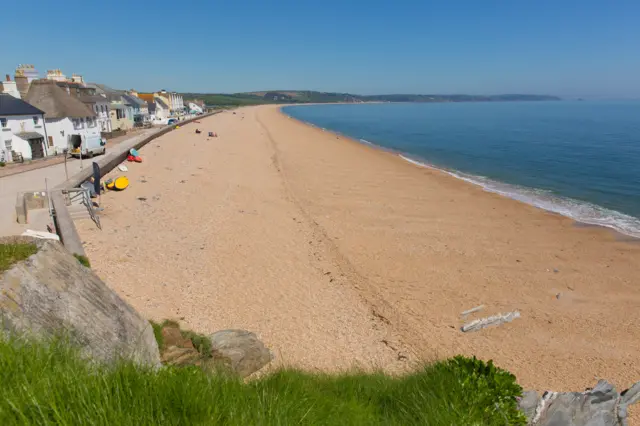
{"x": 55, "y": 102}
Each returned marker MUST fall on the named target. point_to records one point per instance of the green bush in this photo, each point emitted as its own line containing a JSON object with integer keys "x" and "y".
{"x": 2, "y": 164}
{"x": 48, "y": 383}
{"x": 490, "y": 388}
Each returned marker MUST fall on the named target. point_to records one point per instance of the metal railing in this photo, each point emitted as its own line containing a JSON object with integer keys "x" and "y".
{"x": 81, "y": 196}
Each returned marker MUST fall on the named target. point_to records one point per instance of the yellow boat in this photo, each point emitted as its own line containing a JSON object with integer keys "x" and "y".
{"x": 118, "y": 184}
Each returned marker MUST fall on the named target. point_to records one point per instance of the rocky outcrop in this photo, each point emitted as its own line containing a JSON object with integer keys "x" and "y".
{"x": 51, "y": 293}
{"x": 600, "y": 406}
{"x": 240, "y": 351}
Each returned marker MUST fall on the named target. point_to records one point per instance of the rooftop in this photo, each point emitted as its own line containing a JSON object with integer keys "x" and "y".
{"x": 14, "y": 106}
{"x": 55, "y": 102}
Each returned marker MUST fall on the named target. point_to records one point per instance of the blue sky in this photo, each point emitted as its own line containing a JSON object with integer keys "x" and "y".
{"x": 570, "y": 48}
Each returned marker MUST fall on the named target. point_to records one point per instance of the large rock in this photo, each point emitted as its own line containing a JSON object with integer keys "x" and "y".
{"x": 174, "y": 355}
{"x": 239, "y": 350}
{"x": 600, "y": 406}
{"x": 51, "y": 293}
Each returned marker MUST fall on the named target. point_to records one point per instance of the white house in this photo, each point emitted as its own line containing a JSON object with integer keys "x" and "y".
{"x": 22, "y": 130}
{"x": 67, "y": 119}
{"x": 89, "y": 96}
{"x": 100, "y": 106}
{"x": 158, "y": 110}
{"x": 194, "y": 108}
{"x": 176, "y": 103}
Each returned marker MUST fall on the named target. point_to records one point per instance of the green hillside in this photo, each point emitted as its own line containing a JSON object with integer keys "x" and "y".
{"x": 306, "y": 96}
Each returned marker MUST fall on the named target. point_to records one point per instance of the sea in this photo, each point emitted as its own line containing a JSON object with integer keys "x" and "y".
{"x": 580, "y": 159}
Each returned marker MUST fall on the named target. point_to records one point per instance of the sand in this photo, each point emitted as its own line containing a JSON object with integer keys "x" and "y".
{"x": 338, "y": 255}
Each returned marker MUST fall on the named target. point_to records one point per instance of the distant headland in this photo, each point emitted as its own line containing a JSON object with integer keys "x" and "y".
{"x": 305, "y": 96}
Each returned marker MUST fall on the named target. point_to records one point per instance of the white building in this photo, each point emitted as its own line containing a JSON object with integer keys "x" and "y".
{"x": 10, "y": 87}
{"x": 22, "y": 130}
{"x": 99, "y": 105}
{"x": 158, "y": 110}
{"x": 176, "y": 103}
{"x": 194, "y": 108}
{"x": 88, "y": 95}
{"x": 67, "y": 119}
{"x": 56, "y": 75}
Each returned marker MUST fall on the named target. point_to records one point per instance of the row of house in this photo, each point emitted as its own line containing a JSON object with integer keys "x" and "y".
{"x": 40, "y": 116}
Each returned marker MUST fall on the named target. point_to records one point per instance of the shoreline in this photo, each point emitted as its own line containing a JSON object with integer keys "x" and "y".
{"x": 338, "y": 255}
{"x": 516, "y": 193}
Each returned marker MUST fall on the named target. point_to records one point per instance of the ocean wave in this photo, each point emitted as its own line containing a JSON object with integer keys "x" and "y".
{"x": 580, "y": 211}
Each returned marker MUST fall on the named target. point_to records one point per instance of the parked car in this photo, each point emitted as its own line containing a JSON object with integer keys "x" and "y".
{"x": 88, "y": 146}
{"x": 172, "y": 121}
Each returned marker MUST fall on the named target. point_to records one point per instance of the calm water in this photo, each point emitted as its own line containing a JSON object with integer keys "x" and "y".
{"x": 580, "y": 159}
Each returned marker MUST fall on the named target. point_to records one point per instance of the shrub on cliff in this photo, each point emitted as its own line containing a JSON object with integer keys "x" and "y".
{"x": 48, "y": 383}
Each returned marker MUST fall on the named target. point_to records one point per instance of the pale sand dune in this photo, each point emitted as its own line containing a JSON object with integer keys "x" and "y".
{"x": 272, "y": 206}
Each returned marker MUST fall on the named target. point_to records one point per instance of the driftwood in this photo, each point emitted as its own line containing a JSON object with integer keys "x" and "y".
{"x": 494, "y": 320}
{"x": 472, "y": 310}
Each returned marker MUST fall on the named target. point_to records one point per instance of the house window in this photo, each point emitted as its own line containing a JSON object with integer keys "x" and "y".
{"x": 50, "y": 140}
{"x": 7, "y": 143}
{"x": 120, "y": 114}
{"x": 3, "y": 122}
{"x": 35, "y": 120}
{"x": 77, "y": 123}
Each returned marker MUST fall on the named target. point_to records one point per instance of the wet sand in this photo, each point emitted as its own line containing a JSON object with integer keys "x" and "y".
{"x": 338, "y": 254}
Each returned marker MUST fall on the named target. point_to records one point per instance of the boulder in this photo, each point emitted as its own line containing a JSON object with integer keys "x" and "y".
{"x": 240, "y": 351}
{"x": 600, "y": 406}
{"x": 171, "y": 336}
{"x": 174, "y": 355}
{"x": 52, "y": 294}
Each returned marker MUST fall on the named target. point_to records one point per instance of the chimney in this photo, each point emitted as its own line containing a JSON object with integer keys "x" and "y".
{"x": 22, "y": 82}
{"x": 9, "y": 87}
{"x": 8, "y": 77}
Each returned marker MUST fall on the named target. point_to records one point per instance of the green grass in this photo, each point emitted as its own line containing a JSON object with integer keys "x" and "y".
{"x": 12, "y": 253}
{"x": 84, "y": 260}
{"x": 47, "y": 384}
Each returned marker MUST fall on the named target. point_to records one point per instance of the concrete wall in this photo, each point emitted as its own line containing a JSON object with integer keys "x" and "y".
{"x": 113, "y": 134}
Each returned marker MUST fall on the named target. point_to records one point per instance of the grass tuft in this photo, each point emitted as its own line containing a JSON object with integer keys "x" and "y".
{"x": 49, "y": 383}
{"x": 84, "y": 260}
{"x": 15, "y": 252}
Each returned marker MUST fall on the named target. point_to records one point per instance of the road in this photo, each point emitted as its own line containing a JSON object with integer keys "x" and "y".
{"x": 34, "y": 180}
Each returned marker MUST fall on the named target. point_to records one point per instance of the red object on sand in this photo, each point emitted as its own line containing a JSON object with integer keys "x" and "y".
{"x": 137, "y": 159}
{"x": 130, "y": 158}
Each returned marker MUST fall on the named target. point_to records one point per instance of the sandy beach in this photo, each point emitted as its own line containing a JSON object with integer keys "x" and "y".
{"x": 338, "y": 255}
